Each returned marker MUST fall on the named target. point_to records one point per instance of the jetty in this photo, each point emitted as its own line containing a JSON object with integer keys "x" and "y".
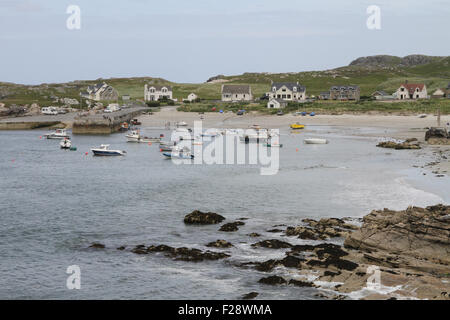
{"x": 104, "y": 123}
{"x": 82, "y": 122}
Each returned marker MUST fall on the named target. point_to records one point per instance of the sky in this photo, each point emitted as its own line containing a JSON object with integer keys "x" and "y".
{"x": 191, "y": 40}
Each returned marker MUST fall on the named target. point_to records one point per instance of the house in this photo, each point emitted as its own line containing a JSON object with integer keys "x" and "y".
{"x": 439, "y": 93}
{"x": 324, "y": 95}
{"x": 411, "y": 91}
{"x": 382, "y": 95}
{"x": 345, "y": 93}
{"x": 276, "y": 103}
{"x": 125, "y": 97}
{"x": 154, "y": 92}
{"x": 100, "y": 91}
{"x": 191, "y": 97}
{"x": 290, "y": 91}
{"x": 232, "y": 92}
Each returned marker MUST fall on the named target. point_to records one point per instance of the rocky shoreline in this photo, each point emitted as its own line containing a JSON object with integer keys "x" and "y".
{"x": 390, "y": 255}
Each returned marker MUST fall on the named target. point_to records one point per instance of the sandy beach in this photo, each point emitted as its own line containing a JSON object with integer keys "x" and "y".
{"x": 392, "y": 126}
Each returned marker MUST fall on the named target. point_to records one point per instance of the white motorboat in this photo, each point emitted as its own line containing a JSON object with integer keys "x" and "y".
{"x": 65, "y": 144}
{"x": 181, "y": 134}
{"x": 179, "y": 153}
{"x": 57, "y": 134}
{"x": 315, "y": 141}
{"x": 104, "y": 150}
{"x": 135, "y": 136}
{"x": 181, "y": 124}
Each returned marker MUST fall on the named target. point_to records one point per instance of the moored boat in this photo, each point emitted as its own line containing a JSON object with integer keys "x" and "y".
{"x": 57, "y": 134}
{"x": 135, "y": 136}
{"x": 104, "y": 150}
{"x": 297, "y": 125}
{"x": 65, "y": 144}
{"x": 315, "y": 141}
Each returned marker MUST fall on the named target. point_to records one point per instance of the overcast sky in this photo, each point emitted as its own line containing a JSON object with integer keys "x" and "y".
{"x": 192, "y": 40}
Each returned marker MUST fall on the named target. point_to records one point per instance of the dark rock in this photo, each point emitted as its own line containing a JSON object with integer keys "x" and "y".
{"x": 219, "y": 244}
{"x": 249, "y": 296}
{"x": 299, "y": 283}
{"x": 274, "y": 230}
{"x": 273, "y": 280}
{"x": 437, "y": 133}
{"x": 198, "y": 217}
{"x": 254, "y": 235}
{"x": 97, "y": 245}
{"x": 272, "y": 244}
{"x": 232, "y": 226}
{"x": 121, "y": 248}
{"x": 183, "y": 253}
{"x": 397, "y": 146}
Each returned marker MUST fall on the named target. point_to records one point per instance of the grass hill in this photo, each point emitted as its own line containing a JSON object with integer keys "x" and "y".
{"x": 370, "y": 73}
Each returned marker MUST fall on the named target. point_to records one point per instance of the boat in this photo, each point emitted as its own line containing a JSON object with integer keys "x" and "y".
{"x": 297, "y": 125}
{"x": 210, "y": 134}
{"x": 65, "y": 144}
{"x": 135, "y": 136}
{"x": 181, "y": 134}
{"x": 177, "y": 153}
{"x": 315, "y": 141}
{"x": 104, "y": 150}
{"x": 274, "y": 145}
{"x": 57, "y": 134}
{"x": 136, "y": 122}
{"x": 181, "y": 124}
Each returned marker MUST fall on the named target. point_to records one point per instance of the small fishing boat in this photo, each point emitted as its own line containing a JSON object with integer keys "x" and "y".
{"x": 181, "y": 124}
{"x": 104, "y": 150}
{"x": 297, "y": 125}
{"x": 315, "y": 141}
{"x": 65, "y": 144}
{"x": 177, "y": 153}
{"x": 135, "y": 136}
{"x": 57, "y": 134}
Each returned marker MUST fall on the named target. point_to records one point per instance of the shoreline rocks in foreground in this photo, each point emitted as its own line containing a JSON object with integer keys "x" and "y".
{"x": 407, "y": 253}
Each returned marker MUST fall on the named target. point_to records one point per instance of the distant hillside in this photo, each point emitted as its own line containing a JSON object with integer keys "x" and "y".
{"x": 370, "y": 73}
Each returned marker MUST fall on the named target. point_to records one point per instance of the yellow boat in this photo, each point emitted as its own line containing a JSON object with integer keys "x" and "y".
{"x": 297, "y": 126}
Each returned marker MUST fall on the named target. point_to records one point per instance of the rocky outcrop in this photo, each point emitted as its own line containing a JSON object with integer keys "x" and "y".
{"x": 437, "y": 136}
{"x": 198, "y": 217}
{"x": 397, "y": 237}
{"x": 219, "y": 244}
{"x": 249, "y": 296}
{"x": 97, "y": 245}
{"x": 273, "y": 280}
{"x": 232, "y": 226}
{"x": 272, "y": 244}
{"x": 393, "y": 61}
{"x": 320, "y": 230}
{"x": 182, "y": 254}
{"x": 398, "y": 145}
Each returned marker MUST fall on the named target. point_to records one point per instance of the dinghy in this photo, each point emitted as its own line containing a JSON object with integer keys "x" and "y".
{"x": 65, "y": 144}
{"x": 315, "y": 141}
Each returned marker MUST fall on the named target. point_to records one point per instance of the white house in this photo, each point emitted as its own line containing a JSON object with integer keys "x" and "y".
{"x": 276, "y": 103}
{"x": 155, "y": 92}
{"x": 408, "y": 91}
{"x": 191, "y": 97}
{"x": 231, "y": 92}
{"x": 289, "y": 91}
{"x": 100, "y": 91}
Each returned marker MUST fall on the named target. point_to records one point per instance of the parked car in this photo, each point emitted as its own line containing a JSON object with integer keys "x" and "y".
{"x": 240, "y": 112}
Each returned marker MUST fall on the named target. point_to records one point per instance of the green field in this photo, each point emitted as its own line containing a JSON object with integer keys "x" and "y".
{"x": 435, "y": 75}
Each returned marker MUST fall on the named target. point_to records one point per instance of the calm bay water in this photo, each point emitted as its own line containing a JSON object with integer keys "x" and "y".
{"x": 55, "y": 203}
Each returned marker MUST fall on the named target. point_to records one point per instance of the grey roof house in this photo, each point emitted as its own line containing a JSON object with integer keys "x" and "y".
{"x": 233, "y": 92}
{"x": 290, "y": 91}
